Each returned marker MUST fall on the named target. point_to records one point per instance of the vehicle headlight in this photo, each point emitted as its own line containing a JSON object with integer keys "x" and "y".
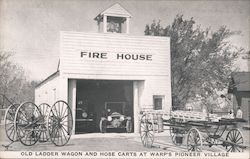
{"x": 84, "y": 115}
{"x": 109, "y": 118}
{"x": 122, "y": 118}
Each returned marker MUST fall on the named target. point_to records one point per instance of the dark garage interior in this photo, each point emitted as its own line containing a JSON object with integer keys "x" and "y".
{"x": 91, "y": 98}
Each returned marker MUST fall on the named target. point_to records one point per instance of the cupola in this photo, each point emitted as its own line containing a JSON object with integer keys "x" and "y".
{"x": 114, "y": 19}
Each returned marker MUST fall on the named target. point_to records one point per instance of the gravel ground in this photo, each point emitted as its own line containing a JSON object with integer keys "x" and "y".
{"x": 109, "y": 142}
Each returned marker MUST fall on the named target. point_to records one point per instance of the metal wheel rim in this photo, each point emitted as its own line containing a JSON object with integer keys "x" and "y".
{"x": 194, "y": 140}
{"x": 44, "y": 109}
{"x": 9, "y": 122}
{"x": 235, "y": 136}
{"x": 147, "y": 130}
{"x": 27, "y": 127}
{"x": 60, "y": 123}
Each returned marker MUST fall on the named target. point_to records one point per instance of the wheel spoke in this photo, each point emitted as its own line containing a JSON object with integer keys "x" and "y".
{"x": 65, "y": 116}
{"x": 69, "y": 127}
{"x": 142, "y": 126}
{"x": 233, "y": 148}
{"x": 58, "y": 106}
{"x": 145, "y": 140}
{"x": 61, "y": 136}
{"x": 238, "y": 139}
{"x": 150, "y": 134}
{"x": 191, "y": 148}
{"x": 25, "y": 136}
{"x": 12, "y": 126}
{"x": 194, "y": 141}
{"x": 63, "y": 130}
{"x": 197, "y": 139}
{"x": 56, "y": 135}
{"x": 53, "y": 129}
{"x": 56, "y": 111}
{"x": 68, "y": 121}
{"x": 12, "y": 131}
{"x": 234, "y": 134}
{"x": 23, "y": 115}
{"x": 237, "y": 135}
{"x": 13, "y": 135}
{"x": 30, "y": 138}
{"x": 143, "y": 135}
{"x": 146, "y": 131}
{"x": 25, "y": 121}
{"x": 236, "y": 148}
{"x": 191, "y": 137}
{"x": 60, "y": 109}
{"x": 230, "y": 136}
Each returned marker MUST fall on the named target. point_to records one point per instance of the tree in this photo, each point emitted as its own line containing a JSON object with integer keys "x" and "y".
{"x": 246, "y": 55}
{"x": 13, "y": 83}
{"x": 201, "y": 60}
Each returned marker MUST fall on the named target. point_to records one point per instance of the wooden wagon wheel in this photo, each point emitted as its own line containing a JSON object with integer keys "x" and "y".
{"x": 9, "y": 122}
{"x": 234, "y": 140}
{"x": 194, "y": 140}
{"x": 177, "y": 134}
{"x": 60, "y": 123}
{"x": 26, "y": 123}
{"x": 44, "y": 109}
{"x": 147, "y": 130}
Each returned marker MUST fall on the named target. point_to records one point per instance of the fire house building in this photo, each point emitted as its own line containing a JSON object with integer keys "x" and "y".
{"x": 110, "y": 66}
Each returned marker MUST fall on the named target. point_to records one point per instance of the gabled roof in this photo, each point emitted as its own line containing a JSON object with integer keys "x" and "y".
{"x": 48, "y": 78}
{"x": 115, "y": 10}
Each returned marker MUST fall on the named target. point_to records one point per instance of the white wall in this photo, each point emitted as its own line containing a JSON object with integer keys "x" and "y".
{"x": 156, "y": 86}
{"x": 50, "y": 91}
{"x": 73, "y": 43}
{"x": 47, "y": 91}
{"x": 72, "y": 99}
{"x": 155, "y": 73}
{"x": 152, "y": 77}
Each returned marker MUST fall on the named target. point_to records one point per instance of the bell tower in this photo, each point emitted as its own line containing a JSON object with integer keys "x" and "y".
{"x": 115, "y": 19}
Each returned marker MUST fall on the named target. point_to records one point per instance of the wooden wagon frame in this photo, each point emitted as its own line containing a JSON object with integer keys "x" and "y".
{"x": 200, "y": 129}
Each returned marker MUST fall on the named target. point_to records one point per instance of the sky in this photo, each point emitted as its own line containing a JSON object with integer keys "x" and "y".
{"x": 29, "y": 29}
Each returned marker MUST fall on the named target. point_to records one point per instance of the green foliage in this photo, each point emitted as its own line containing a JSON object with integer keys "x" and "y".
{"x": 201, "y": 60}
{"x": 13, "y": 83}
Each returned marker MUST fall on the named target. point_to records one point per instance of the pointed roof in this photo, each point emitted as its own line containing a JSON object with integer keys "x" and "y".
{"x": 115, "y": 10}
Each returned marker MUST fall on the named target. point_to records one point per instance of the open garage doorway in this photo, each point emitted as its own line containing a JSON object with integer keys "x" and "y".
{"x": 94, "y": 97}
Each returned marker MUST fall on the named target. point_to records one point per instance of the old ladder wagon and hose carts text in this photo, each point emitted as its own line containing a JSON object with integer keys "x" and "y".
{"x": 29, "y": 123}
{"x": 198, "y": 129}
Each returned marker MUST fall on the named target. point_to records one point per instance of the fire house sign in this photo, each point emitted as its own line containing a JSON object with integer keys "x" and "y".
{"x": 117, "y": 56}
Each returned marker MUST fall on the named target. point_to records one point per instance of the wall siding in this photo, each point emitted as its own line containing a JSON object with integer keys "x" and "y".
{"x": 156, "y": 86}
{"x": 72, "y": 43}
{"x": 150, "y": 77}
{"x": 153, "y": 76}
{"x": 45, "y": 92}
